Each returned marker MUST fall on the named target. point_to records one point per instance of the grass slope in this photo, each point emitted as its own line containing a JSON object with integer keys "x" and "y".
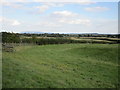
{"x": 57, "y": 66}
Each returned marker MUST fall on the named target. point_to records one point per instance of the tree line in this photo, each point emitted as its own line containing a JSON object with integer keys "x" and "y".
{"x": 71, "y": 35}
{"x": 58, "y": 38}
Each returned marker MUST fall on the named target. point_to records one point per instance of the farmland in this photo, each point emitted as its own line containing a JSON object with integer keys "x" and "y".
{"x": 52, "y": 44}
{"x": 61, "y": 66}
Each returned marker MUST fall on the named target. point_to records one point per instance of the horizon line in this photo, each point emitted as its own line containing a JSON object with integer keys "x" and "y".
{"x": 30, "y": 32}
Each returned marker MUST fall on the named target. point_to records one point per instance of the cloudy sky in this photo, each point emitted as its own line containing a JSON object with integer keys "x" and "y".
{"x": 60, "y": 17}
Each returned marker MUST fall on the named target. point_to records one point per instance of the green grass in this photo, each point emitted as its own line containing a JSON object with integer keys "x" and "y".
{"x": 61, "y": 66}
{"x": 0, "y": 66}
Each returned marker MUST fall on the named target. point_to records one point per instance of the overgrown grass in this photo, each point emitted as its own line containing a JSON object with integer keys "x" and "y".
{"x": 61, "y": 66}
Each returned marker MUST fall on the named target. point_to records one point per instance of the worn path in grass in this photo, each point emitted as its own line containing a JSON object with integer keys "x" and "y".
{"x": 57, "y": 66}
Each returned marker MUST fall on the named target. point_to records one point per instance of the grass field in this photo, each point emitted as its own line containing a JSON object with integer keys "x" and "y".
{"x": 61, "y": 66}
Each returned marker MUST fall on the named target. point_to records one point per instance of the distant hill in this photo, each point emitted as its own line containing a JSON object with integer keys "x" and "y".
{"x": 35, "y": 32}
{"x": 30, "y": 32}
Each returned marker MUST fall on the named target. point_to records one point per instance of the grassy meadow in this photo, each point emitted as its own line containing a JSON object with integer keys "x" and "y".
{"x": 61, "y": 66}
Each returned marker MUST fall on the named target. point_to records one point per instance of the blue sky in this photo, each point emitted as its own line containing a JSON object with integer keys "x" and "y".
{"x": 71, "y": 17}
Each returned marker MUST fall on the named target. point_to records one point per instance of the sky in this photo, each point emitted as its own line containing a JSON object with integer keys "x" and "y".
{"x": 59, "y": 17}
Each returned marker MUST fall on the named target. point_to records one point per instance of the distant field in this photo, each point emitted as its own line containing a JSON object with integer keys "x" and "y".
{"x": 101, "y": 40}
{"x": 61, "y": 66}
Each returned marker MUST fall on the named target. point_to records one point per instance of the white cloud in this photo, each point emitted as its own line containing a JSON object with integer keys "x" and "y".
{"x": 86, "y": 2}
{"x": 75, "y": 0}
{"x": 79, "y": 25}
{"x": 45, "y": 6}
{"x": 10, "y": 22}
{"x": 22, "y": 0}
{"x": 96, "y": 9}
{"x": 10, "y": 25}
{"x": 105, "y": 25}
{"x": 49, "y": 24}
{"x": 42, "y": 8}
{"x": 61, "y": 0}
{"x": 12, "y": 4}
{"x": 68, "y": 17}
{"x": 53, "y": 4}
{"x": 15, "y": 1}
{"x": 64, "y": 13}
{"x": 59, "y": 21}
{"x": 15, "y": 23}
{"x": 76, "y": 21}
